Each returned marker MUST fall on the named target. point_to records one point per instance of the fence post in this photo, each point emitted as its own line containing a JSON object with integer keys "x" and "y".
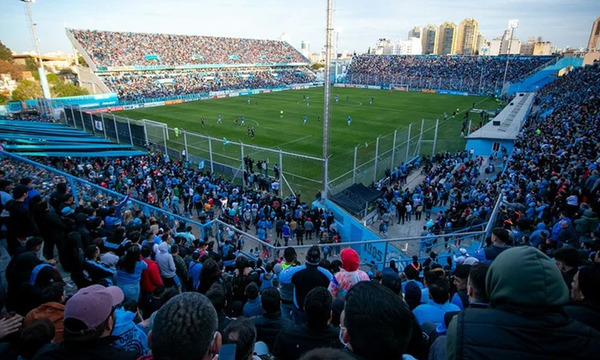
{"x": 82, "y": 121}
{"x": 165, "y": 139}
{"x": 376, "y": 157}
{"x": 212, "y": 170}
{"x": 73, "y": 117}
{"x": 92, "y": 122}
{"x": 437, "y": 123}
{"x": 393, "y": 149}
{"x": 280, "y": 172}
{"x": 146, "y": 140}
{"x": 116, "y": 128}
{"x": 243, "y": 164}
{"x": 354, "y": 167}
{"x": 408, "y": 142}
{"x": 185, "y": 145}
{"x": 469, "y": 131}
{"x": 130, "y": 135}
{"x": 103, "y": 126}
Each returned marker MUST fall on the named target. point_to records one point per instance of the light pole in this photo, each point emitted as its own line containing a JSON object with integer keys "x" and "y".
{"x": 512, "y": 24}
{"x": 41, "y": 71}
{"x": 327, "y": 85}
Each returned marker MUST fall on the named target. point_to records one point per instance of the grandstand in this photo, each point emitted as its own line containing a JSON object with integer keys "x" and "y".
{"x": 140, "y": 66}
{"x": 461, "y": 74}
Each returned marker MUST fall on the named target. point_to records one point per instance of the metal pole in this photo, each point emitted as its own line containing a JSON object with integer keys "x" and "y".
{"x": 354, "y": 168}
{"x": 512, "y": 31}
{"x": 469, "y": 131}
{"x": 394, "y": 149}
{"x": 92, "y": 122}
{"x": 103, "y": 127}
{"x": 212, "y": 169}
{"x": 73, "y": 118}
{"x": 328, "y": 33}
{"x": 130, "y": 135}
{"x": 186, "y": 145}
{"x": 116, "y": 128}
{"x": 437, "y": 123}
{"x": 83, "y": 122}
{"x": 165, "y": 139}
{"x": 146, "y": 140}
{"x": 36, "y": 42}
{"x": 408, "y": 142}
{"x": 281, "y": 172}
{"x": 376, "y": 158}
{"x": 243, "y": 164}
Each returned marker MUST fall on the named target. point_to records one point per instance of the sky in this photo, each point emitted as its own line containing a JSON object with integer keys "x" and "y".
{"x": 360, "y": 23}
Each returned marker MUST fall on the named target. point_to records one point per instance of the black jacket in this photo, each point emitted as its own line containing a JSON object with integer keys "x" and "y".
{"x": 293, "y": 342}
{"x": 584, "y": 311}
{"x": 268, "y": 326}
{"x": 97, "y": 350}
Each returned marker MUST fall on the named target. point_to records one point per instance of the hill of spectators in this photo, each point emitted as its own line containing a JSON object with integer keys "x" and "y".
{"x": 474, "y": 74}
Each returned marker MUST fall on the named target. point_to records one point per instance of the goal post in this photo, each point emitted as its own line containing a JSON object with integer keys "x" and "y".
{"x": 398, "y": 87}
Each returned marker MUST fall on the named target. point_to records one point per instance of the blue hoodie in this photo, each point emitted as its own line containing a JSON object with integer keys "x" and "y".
{"x": 130, "y": 336}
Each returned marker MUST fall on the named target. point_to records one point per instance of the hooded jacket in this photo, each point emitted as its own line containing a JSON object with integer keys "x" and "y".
{"x": 165, "y": 262}
{"x": 525, "y": 319}
{"x": 52, "y": 311}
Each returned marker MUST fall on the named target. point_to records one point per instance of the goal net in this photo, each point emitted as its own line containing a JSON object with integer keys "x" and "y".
{"x": 398, "y": 87}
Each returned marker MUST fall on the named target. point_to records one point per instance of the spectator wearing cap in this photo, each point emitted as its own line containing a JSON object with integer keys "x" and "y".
{"x": 585, "y": 297}
{"x": 270, "y": 323}
{"x": 88, "y": 325}
{"x": 348, "y": 275}
{"x": 375, "y": 323}
{"x": 501, "y": 241}
{"x": 527, "y": 293}
{"x": 316, "y": 332}
{"x": 305, "y": 278}
{"x": 185, "y": 328}
{"x": 567, "y": 260}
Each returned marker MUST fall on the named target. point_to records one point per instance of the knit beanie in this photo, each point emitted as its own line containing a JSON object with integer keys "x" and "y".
{"x": 350, "y": 259}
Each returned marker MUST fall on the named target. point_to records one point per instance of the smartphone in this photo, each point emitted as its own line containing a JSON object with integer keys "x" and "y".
{"x": 227, "y": 352}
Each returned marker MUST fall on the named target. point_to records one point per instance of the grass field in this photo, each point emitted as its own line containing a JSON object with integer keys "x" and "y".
{"x": 390, "y": 111}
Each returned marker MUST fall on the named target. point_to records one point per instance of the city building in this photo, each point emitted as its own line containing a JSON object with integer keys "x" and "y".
{"x": 305, "y": 48}
{"x": 466, "y": 41}
{"x": 536, "y": 47}
{"x": 594, "y": 42}
{"x": 482, "y": 45}
{"x": 500, "y": 45}
{"x": 411, "y": 46}
{"x": 415, "y": 32}
{"x": 382, "y": 47}
{"x": 429, "y": 38}
{"x": 447, "y": 39}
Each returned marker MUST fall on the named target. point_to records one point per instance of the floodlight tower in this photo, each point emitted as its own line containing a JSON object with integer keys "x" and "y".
{"x": 512, "y": 24}
{"x": 41, "y": 71}
{"x": 327, "y": 85}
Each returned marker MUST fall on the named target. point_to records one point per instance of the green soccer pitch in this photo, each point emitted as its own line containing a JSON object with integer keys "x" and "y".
{"x": 278, "y": 122}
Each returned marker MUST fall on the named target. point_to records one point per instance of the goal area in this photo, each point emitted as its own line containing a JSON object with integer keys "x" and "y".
{"x": 398, "y": 87}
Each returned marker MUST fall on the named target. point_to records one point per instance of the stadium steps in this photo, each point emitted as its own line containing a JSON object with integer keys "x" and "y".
{"x": 544, "y": 76}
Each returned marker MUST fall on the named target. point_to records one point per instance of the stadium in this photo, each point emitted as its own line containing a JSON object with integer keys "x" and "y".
{"x": 452, "y": 199}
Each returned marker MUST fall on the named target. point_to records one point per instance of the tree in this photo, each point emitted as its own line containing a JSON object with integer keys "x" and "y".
{"x": 67, "y": 89}
{"x": 3, "y": 100}
{"x": 31, "y": 65}
{"x": 5, "y": 53}
{"x": 27, "y": 90}
{"x": 15, "y": 71}
{"x": 317, "y": 66}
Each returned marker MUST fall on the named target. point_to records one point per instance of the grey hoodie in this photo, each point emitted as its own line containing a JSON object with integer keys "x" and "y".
{"x": 165, "y": 262}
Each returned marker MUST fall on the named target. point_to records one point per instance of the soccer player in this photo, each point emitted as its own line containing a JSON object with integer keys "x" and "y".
{"x": 242, "y": 118}
{"x": 248, "y": 99}
{"x": 337, "y": 99}
{"x": 281, "y": 114}
{"x": 237, "y": 121}
{"x": 304, "y": 120}
{"x": 202, "y": 121}
{"x": 371, "y": 101}
{"x": 219, "y": 119}
{"x": 349, "y": 120}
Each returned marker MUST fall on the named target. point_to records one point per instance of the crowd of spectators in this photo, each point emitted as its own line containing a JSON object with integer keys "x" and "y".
{"x": 473, "y": 74}
{"x": 108, "y": 48}
{"x": 150, "y": 291}
{"x": 140, "y": 86}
